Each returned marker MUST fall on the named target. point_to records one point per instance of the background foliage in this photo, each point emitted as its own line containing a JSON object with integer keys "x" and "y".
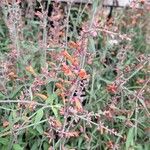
{"x": 73, "y": 79}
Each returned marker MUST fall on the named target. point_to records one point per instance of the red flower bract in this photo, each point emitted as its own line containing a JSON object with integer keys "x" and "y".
{"x": 111, "y": 88}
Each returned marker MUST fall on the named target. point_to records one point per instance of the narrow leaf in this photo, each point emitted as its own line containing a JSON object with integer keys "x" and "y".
{"x": 17, "y": 147}
{"x": 130, "y": 137}
{"x": 38, "y": 116}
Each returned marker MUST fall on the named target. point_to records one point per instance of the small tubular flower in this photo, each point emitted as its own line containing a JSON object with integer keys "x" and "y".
{"x": 82, "y": 74}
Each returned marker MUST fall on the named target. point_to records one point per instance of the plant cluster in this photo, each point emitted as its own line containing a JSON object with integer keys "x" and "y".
{"x": 71, "y": 79}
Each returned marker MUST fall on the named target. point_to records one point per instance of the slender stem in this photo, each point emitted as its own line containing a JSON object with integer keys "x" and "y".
{"x": 67, "y": 22}
{"x": 92, "y": 86}
{"x": 23, "y": 101}
{"x": 31, "y": 125}
{"x": 99, "y": 125}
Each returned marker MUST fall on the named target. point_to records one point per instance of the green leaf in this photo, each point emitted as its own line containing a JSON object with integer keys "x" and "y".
{"x": 139, "y": 147}
{"x": 2, "y": 96}
{"x": 92, "y": 45}
{"x": 121, "y": 117}
{"x": 80, "y": 142}
{"x": 17, "y": 147}
{"x": 32, "y": 132}
{"x": 34, "y": 146}
{"x": 4, "y": 141}
{"x": 39, "y": 129}
{"x": 51, "y": 99}
{"x": 45, "y": 145}
{"x": 55, "y": 111}
{"x": 130, "y": 138}
{"x": 15, "y": 92}
{"x": 49, "y": 87}
{"x": 38, "y": 116}
{"x": 2, "y": 31}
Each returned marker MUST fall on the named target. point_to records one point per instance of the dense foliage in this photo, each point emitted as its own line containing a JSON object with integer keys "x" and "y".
{"x": 73, "y": 79}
